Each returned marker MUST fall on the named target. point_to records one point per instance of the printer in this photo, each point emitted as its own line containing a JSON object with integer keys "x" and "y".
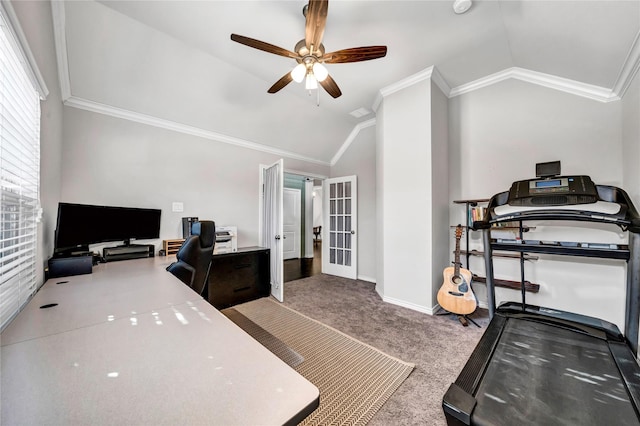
{"x": 226, "y": 240}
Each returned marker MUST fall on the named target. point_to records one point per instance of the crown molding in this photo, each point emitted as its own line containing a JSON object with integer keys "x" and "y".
{"x": 352, "y": 136}
{"x": 428, "y": 73}
{"x": 149, "y": 120}
{"x": 437, "y": 78}
{"x": 629, "y": 68}
{"x": 403, "y": 84}
{"x": 566, "y": 85}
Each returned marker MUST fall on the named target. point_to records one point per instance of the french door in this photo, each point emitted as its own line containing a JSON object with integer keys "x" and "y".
{"x": 339, "y": 239}
{"x": 272, "y": 184}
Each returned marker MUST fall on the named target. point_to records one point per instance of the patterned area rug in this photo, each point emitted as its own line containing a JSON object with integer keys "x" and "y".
{"x": 268, "y": 340}
{"x": 354, "y": 379}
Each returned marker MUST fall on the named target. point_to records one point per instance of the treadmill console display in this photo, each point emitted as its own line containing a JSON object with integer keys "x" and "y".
{"x": 545, "y": 186}
{"x": 556, "y": 191}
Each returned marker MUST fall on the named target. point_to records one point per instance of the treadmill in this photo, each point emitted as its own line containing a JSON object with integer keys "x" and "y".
{"x": 542, "y": 366}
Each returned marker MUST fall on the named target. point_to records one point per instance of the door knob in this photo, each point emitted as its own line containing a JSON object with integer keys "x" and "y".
{"x": 353, "y": 232}
{"x": 277, "y": 237}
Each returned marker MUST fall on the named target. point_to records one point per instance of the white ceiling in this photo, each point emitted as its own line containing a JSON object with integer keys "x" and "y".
{"x": 174, "y": 59}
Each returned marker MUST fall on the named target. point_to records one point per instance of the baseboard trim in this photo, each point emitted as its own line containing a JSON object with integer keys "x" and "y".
{"x": 367, "y": 279}
{"x": 420, "y": 308}
{"x": 409, "y": 305}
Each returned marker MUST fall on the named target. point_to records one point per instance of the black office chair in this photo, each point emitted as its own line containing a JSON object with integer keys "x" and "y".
{"x": 194, "y": 257}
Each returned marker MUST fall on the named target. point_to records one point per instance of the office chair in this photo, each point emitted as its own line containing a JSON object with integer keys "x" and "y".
{"x": 194, "y": 256}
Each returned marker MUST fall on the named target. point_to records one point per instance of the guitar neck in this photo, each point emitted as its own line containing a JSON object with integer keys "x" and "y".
{"x": 456, "y": 262}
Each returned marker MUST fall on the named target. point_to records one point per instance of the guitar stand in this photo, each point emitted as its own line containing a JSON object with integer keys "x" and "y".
{"x": 464, "y": 319}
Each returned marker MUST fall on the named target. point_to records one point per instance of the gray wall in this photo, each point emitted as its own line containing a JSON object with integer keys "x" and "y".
{"x": 631, "y": 140}
{"x": 411, "y": 172}
{"x": 35, "y": 20}
{"x": 500, "y": 132}
{"x": 497, "y": 135}
{"x": 112, "y": 161}
{"x": 380, "y": 197}
{"x": 360, "y": 159}
{"x": 439, "y": 187}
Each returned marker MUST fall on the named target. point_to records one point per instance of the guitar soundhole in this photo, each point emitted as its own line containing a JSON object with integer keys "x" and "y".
{"x": 461, "y": 283}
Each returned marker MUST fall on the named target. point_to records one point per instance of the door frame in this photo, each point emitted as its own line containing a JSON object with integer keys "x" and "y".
{"x": 260, "y": 201}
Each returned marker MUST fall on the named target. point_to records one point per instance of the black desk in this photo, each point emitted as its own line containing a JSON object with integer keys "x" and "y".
{"x": 239, "y": 277}
{"x": 546, "y": 367}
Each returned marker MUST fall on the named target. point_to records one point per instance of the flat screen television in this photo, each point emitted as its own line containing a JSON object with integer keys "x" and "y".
{"x": 79, "y": 225}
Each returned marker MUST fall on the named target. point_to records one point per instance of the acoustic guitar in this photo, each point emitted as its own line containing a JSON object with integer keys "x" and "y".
{"x": 456, "y": 295}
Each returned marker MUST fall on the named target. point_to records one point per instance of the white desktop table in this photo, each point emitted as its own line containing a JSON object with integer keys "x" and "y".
{"x": 131, "y": 344}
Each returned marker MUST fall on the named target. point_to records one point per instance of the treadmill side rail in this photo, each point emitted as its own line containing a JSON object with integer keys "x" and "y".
{"x": 458, "y": 406}
{"x": 629, "y": 370}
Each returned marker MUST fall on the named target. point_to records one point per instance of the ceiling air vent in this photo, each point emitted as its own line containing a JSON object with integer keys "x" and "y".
{"x": 360, "y": 112}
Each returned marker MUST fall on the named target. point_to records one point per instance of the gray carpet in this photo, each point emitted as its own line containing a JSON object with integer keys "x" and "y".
{"x": 438, "y": 345}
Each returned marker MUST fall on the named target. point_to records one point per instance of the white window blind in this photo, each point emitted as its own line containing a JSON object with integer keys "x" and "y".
{"x": 19, "y": 178}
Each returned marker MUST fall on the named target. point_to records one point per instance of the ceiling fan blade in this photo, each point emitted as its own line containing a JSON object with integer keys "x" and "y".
{"x": 355, "y": 54}
{"x": 331, "y": 87}
{"x": 261, "y": 45}
{"x": 278, "y": 85}
{"x": 316, "y": 21}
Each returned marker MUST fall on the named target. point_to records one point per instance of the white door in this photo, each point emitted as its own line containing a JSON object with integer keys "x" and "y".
{"x": 291, "y": 223}
{"x": 339, "y": 238}
{"x": 272, "y": 183}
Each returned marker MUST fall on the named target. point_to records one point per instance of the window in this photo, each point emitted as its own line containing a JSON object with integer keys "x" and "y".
{"x": 19, "y": 176}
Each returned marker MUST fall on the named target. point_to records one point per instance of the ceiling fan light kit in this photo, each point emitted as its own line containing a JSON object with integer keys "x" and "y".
{"x": 461, "y": 6}
{"x": 298, "y": 73}
{"x": 310, "y": 53}
{"x": 311, "y": 83}
{"x": 320, "y": 71}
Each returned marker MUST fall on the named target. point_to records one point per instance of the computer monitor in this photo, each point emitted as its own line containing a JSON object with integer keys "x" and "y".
{"x": 79, "y": 225}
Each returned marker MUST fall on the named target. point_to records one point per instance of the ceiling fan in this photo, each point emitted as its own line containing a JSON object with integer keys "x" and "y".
{"x": 310, "y": 53}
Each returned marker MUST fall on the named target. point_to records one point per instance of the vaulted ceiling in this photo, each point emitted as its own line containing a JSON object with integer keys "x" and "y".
{"x": 172, "y": 63}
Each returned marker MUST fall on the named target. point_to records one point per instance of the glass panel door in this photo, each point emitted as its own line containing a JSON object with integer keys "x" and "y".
{"x": 340, "y": 252}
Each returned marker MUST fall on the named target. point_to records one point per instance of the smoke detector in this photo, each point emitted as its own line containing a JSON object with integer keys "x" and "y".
{"x": 461, "y": 6}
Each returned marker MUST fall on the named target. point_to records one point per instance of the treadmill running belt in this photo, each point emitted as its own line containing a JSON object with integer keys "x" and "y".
{"x": 545, "y": 375}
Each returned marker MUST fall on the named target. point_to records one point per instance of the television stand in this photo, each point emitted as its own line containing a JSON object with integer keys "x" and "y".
{"x": 126, "y": 252}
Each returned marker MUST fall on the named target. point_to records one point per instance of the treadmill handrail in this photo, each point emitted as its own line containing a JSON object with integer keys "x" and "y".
{"x": 627, "y": 218}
